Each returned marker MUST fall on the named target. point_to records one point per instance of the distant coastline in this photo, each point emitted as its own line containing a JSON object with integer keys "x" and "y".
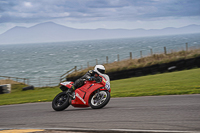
{"x": 52, "y": 32}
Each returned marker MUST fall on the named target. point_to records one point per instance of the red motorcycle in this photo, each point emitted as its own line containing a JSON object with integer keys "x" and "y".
{"x": 94, "y": 94}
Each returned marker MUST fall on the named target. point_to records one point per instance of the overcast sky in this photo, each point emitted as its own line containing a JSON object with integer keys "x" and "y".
{"x": 93, "y": 14}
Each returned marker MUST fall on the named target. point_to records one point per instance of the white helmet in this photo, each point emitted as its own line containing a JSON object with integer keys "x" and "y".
{"x": 100, "y": 69}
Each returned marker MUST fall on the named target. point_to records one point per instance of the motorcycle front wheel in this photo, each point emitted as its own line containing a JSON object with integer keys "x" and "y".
{"x": 99, "y": 99}
{"x": 61, "y": 101}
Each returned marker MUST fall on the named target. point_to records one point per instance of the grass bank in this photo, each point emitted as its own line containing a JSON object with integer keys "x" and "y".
{"x": 143, "y": 62}
{"x": 175, "y": 83}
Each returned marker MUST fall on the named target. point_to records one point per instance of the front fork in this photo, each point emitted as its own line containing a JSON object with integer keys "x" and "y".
{"x": 97, "y": 93}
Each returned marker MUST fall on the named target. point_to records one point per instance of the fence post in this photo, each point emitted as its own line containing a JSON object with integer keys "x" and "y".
{"x": 96, "y": 62}
{"x": 75, "y": 68}
{"x": 49, "y": 81}
{"x": 165, "y": 50}
{"x": 106, "y": 59}
{"x": 186, "y": 46}
{"x": 118, "y": 57}
{"x": 151, "y": 52}
{"x": 130, "y": 55}
{"x": 141, "y": 54}
{"x": 88, "y": 64}
{"x": 60, "y": 79}
{"x": 39, "y": 81}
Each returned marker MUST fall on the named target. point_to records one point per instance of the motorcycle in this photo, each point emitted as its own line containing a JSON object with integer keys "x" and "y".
{"x": 94, "y": 94}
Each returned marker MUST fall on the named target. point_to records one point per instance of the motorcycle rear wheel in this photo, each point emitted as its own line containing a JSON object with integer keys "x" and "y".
{"x": 100, "y": 101}
{"x": 61, "y": 101}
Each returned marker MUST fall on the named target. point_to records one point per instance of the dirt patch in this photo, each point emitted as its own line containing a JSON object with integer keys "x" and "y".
{"x": 9, "y": 81}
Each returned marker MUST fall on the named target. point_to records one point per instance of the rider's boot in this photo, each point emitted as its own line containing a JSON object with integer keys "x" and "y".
{"x": 71, "y": 90}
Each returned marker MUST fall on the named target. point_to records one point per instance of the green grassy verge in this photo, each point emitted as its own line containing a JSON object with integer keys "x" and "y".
{"x": 38, "y": 95}
{"x": 175, "y": 83}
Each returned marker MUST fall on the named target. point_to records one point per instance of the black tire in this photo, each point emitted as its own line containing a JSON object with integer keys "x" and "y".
{"x": 61, "y": 101}
{"x": 28, "y": 88}
{"x": 103, "y": 102}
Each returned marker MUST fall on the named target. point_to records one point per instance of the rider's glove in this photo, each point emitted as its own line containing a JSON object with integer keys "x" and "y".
{"x": 91, "y": 78}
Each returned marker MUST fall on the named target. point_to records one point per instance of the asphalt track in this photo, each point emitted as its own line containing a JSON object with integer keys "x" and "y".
{"x": 149, "y": 113}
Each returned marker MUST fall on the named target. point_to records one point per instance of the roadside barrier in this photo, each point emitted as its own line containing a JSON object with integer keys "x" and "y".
{"x": 158, "y": 68}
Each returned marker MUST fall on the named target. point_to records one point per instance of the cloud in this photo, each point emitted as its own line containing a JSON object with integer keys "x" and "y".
{"x": 30, "y": 11}
{"x": 174, "y": 8}
{"x": 28, "y": 4}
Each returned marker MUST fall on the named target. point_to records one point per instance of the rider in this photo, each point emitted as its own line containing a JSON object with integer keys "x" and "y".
{"x": 90, "y": 75}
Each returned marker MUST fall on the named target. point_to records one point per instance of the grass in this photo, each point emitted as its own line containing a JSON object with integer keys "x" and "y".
{"x": 38, "y": 95}
{"x": 175, "y": 83}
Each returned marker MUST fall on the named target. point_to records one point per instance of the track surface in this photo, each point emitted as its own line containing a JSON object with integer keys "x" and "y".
{"x": 177, "y": 113}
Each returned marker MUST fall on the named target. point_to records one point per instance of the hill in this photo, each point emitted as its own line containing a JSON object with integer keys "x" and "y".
{"x": 52, "y": 32}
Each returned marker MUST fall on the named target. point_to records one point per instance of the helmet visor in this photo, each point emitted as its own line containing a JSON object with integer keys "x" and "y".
{"x": 101, "y": 71}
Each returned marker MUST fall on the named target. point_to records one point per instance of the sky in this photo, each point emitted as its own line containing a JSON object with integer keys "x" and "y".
{"x": 94, "y": 14}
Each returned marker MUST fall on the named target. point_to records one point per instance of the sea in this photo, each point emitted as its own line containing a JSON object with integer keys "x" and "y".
{"x": 44, "y": 63}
